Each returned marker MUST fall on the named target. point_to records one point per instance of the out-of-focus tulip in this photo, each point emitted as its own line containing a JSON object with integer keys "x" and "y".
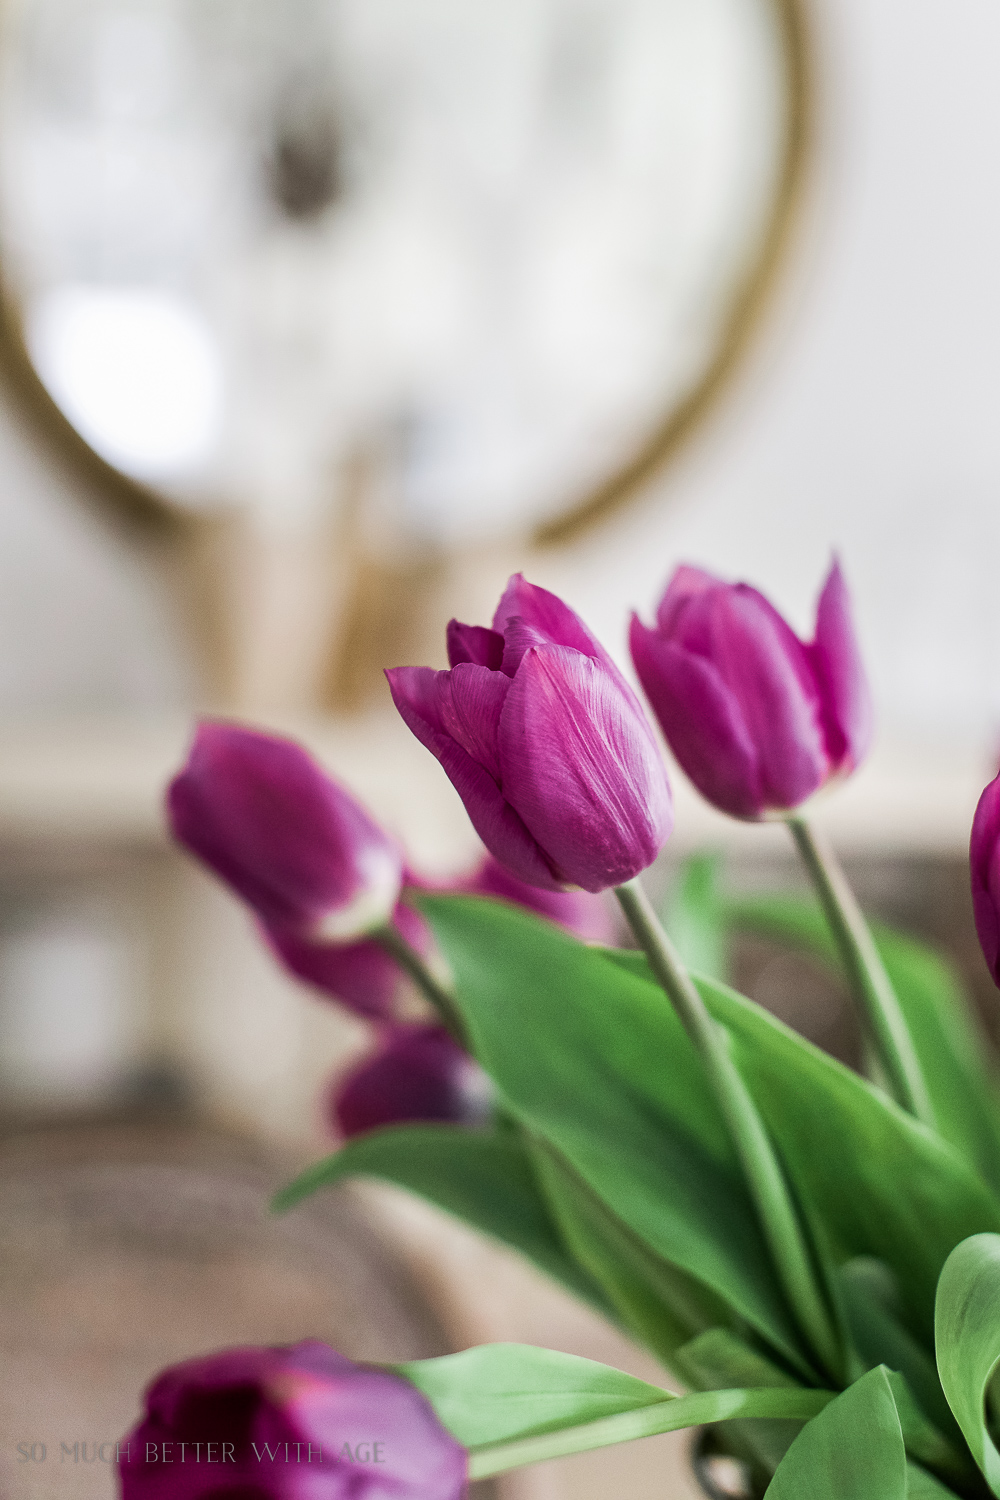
{"x": 984, "y": 865}
{"x": 546, "y": 744}
{"x": 588, "y": 917}
{"x": 294, "y": 844}
{"x": 219, "y": 1425}
{"x": 416, "y": 1073}
{"x": 362, "y": 975}
{"x": 758, "y": 719}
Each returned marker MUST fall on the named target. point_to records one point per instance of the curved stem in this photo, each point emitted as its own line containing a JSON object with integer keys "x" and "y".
{"x": 762, "y": 1170}
{"x": 866, "y": 973}
{"x": 410, "y": 961}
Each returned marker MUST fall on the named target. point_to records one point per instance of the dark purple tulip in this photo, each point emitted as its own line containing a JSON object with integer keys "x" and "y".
{"x": 546, "y": 744}
{"x": 758, "y": 719}
{"x": 416, "y": 1073}
{"x": 286, "y": 837}
{"x": 218, "y": 1426}
{"x": 361, "y": 976}
{"x": 984, "y": 864}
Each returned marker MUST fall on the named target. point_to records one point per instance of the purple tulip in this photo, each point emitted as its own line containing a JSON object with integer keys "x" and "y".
{"x": 984, "y": 864}
{"x": 416, "y": 1073}
{"x": 587, "y": 916}
{"x": 301, "y": 1423}
{"x": 362, "y": 975}
{"x": 287, "y": 838}
{"x": 758, "y": 719}
{"x": 546, "y": 744}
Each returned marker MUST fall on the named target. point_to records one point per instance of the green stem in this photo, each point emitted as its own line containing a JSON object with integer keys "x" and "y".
{"x": 866, "y": 973}
{"x": 762, "y": 1170}
{"x": 410, "y": 961}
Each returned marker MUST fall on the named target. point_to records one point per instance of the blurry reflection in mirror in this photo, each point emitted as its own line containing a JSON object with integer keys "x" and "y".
{"x": 247, "y": 241}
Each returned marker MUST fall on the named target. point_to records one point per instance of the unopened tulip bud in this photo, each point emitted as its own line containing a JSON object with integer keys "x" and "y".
{"x": 286, "y": 837}
{"x": 758, "y": 719}
{"x": 984, "y": 864}
{"x": 546, "y": 744}
{"x": 288, "y": 1424}
{"x": 416, "y": 1073}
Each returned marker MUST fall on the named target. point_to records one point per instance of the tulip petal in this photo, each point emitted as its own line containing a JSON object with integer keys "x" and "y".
{"x": 581, "y": 767}
{"x": 361, "y": 976}
{"x": 497, "y": 823}
{"x": 849, "y": 712}
{"x": 295, "y": 845}
{"x": 984, "y": 867}
{"x": 767, "y": 669}
{"x": 541, "y": 619}
{"x": 701, "y": 720}
{"x": 470, "y": 712}
{"x": 587, "y": 916}
{"x": 416, "y": 1073}
{"x": 686, "y": 583}
{"x": 474, "y": 643}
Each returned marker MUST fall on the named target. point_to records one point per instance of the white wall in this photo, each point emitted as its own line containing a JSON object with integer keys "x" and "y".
{"x": 868, "y": 417}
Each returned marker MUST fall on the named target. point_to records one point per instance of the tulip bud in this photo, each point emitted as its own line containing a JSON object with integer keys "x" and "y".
{"x": 546, "y": 744}
{"x": 587, "y": 916}
{"x": 758, "y": 719}
{"x": 984, "y": 864}
{"x": 219, "y": 1425}
{"x": 416, "y": 1073}
{"x": 362, "y": 975}
{"x": 288, "y": 839}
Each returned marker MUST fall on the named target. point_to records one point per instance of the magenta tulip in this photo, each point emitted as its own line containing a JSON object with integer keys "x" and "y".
{"x": 757, "y": 718}
{"x": 588, "y": 917}
{"x": 301, "y": 1423}
{"x": 295, "y": 845}
{"x": 362, "y": 975}
{"x": 546, "y": 744}
{"x": 984, "y": 863}
{"x": 416, "y": 1073}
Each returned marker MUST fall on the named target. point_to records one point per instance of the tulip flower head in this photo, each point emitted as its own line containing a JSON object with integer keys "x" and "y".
{"x": 353, "y": 1432}
{"x": 758, "y": 719}
{"x": 984, "y": 864}
{"x": 416, "y": 1073}
{"x": 288, "y": 839}
{"x": 546, "y": 744}
{"x": 362, "y": 976}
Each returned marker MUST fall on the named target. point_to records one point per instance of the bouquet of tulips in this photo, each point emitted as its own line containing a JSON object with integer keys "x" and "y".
{"x": 814, "y": 1255}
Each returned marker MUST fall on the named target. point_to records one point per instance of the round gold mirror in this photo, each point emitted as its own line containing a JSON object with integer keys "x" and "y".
{"x": 503, "y": 254}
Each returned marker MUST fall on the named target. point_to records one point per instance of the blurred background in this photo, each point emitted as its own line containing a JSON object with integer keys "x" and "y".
{"x": 321, "y": 318}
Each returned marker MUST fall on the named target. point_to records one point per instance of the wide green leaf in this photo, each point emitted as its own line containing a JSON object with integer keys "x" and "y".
{"x": 718, "y": 1359}
{"x": 950, "y": 1046}
{"x": 482, "y": 1176}
{"x": 496, "y": 1392}
{"x": 871, "y": 1179}
{"x": 594, "y": 1061}
{"x": 514, "y": 1404}
{"x": 967, "y": 1330}
{"x": 852, "y": 1451}
{"x": 661, "y": 1306}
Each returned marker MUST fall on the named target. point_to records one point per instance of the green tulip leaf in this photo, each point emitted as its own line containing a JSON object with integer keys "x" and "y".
{"x": 513, "y": 1404}
{"x": 948, "y": 1043}
{"x": 871, "y": 1180}
{"x": 484, "y": 1177}
{"x": 660, "y": 1305}
{"x": 594, "y": 1061}
{"x": 967, "y": 1331}
{"x": 853, "y": 1450}
{"x": 719, "y": 1359}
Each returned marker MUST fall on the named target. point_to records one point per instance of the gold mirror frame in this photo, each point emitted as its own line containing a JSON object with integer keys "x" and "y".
{"x": 143, "y": 506}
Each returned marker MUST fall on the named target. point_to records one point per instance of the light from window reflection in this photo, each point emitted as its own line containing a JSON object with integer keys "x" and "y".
{"x": 137, "y": 372}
